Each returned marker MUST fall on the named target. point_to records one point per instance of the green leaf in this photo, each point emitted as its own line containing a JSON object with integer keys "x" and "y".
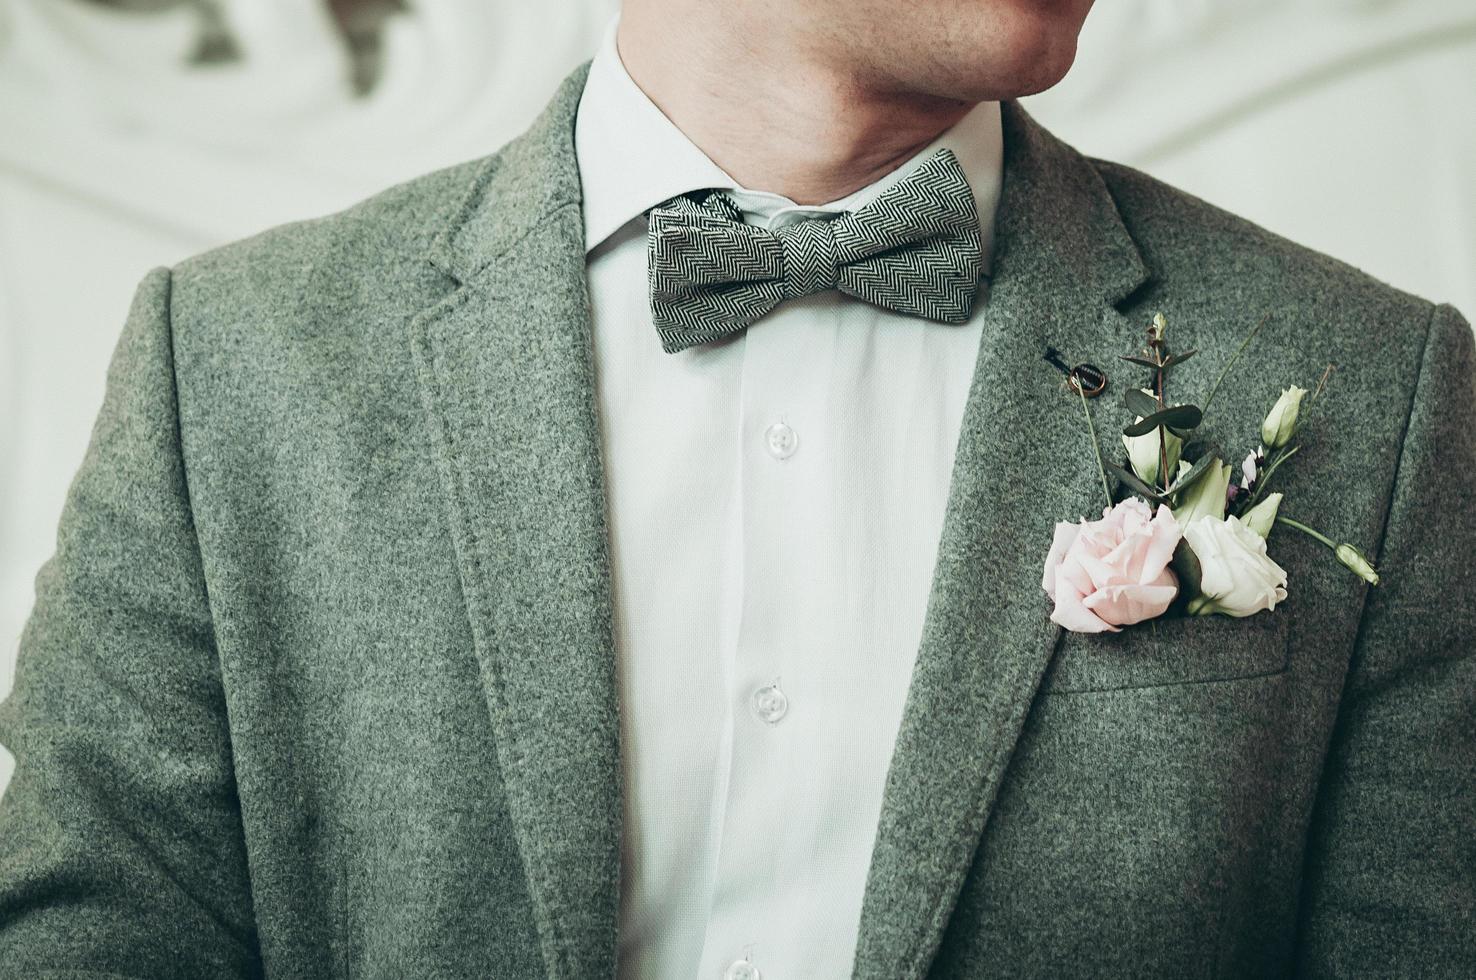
{"x": 1186, "y": 566}
{"x": 1139, "y": 403}
{"x": 1136, "y": 485}
{"x": 1140, "y": 360}
{"x": 1178, "y": 417}
{"x": 1206, "y": 498}
{"x": 1262, "y": 517}
{"x": 1196, "y": 471}
{"x": 1173, "y": 359}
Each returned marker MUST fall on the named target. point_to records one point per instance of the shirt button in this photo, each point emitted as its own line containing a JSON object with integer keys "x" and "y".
{"x": 742, "y": 970}
{"x": 770, "y": 703}
{"x": 781, "y": 440}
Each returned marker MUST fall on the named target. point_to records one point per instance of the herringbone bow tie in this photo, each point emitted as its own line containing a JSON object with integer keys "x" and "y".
{"x": 914, "y": 249}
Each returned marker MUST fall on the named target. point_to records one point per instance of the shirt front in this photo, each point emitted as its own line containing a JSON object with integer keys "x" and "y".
{"x": 775, "y": 501}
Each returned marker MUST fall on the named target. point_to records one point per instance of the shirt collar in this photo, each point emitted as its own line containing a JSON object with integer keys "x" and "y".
{"x": 631, "y": 158}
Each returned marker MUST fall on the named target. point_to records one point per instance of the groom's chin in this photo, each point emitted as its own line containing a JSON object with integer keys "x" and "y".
{"x": 1025, "y": 69}
{"x": 978, "y": 50}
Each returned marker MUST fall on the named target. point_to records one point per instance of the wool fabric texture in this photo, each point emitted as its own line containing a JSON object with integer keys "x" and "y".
{"x": 319, "y": 681}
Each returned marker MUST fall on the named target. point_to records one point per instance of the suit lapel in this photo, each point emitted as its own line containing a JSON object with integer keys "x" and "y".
{"x": 1063, "y": 260}
{"x": 507, "y": 380}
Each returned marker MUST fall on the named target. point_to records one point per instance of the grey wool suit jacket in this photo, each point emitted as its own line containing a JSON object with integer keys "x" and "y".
{"x": 320, "y": 681}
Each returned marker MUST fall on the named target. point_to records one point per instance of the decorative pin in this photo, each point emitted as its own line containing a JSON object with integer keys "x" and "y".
{"x": 1088, "y": 379}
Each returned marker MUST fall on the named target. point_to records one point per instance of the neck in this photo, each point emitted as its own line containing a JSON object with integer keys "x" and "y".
{"x": 771, "y": 114}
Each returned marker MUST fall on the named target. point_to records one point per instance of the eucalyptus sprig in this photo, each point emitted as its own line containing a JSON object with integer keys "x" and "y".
{"x": 1168, "y": 425}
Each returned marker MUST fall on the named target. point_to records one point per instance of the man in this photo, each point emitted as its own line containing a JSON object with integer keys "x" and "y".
{"x": 611, "y": 557}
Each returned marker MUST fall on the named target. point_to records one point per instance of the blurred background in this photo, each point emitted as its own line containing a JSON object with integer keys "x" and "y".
{"x": 134, "y": 133}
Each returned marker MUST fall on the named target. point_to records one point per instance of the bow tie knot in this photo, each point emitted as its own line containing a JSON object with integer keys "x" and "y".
{"x": 811, "y": 264}
{"x": 914, "y": 249}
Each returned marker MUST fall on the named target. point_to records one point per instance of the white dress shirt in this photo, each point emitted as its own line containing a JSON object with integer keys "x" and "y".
{"x": 775, "y": 505}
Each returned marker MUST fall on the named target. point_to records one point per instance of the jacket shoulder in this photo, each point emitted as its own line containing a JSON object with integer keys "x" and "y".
{"x": 315, "y": 305}
{"x": 1185, "y": 239}
{"x": 388, "y": 233}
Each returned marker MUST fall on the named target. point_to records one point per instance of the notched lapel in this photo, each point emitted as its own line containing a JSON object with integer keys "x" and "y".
{"x": 507, "y": 379}
{"x": 1063, "y": 260}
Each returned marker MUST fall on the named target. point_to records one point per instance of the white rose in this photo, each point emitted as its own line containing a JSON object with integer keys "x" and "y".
{"x": 1236, "y": 576}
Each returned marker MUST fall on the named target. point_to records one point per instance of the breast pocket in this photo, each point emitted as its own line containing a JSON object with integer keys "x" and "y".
{"x": 1176, "y": 650}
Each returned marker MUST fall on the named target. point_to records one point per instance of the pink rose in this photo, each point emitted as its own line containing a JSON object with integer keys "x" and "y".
{"x": 1114, "y": 572}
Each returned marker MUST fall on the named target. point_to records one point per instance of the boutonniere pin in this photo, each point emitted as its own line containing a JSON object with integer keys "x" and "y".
{"x": 1187, "y": 536}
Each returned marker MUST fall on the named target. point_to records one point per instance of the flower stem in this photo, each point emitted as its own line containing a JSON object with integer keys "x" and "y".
{"x": 1156, "y": 342}
{"x": 1308, "y": 531}
{"x": 1353, "y": 559}
{"x": 1163, "y": 455}
{"x": 1096, "y": 448}
{"x": 1231, "y": 363}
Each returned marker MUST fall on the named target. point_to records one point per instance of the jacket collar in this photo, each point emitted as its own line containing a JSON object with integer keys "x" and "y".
{"x": 506, "y": 375}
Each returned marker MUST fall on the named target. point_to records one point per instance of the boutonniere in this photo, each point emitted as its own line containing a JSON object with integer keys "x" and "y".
{"x": 1187, "y": 536}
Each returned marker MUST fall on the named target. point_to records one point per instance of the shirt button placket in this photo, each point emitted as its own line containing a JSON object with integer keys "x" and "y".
{"x": 771, "y": 522}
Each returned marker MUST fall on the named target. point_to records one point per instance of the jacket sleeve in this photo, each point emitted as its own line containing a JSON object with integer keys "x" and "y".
{"x": 1390, "y": 880}
{"x": 121, "y": 845}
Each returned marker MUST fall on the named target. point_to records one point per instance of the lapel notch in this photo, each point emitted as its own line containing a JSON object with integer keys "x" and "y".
{"x": 1063, "y": 261}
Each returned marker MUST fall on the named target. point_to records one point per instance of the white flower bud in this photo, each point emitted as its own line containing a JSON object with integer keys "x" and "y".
{"x": 1250, "y": 470}
{"x": 1143, "y": 453}
{"x": 1281, "y": 423}
{"x": 1353, "y": 558}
